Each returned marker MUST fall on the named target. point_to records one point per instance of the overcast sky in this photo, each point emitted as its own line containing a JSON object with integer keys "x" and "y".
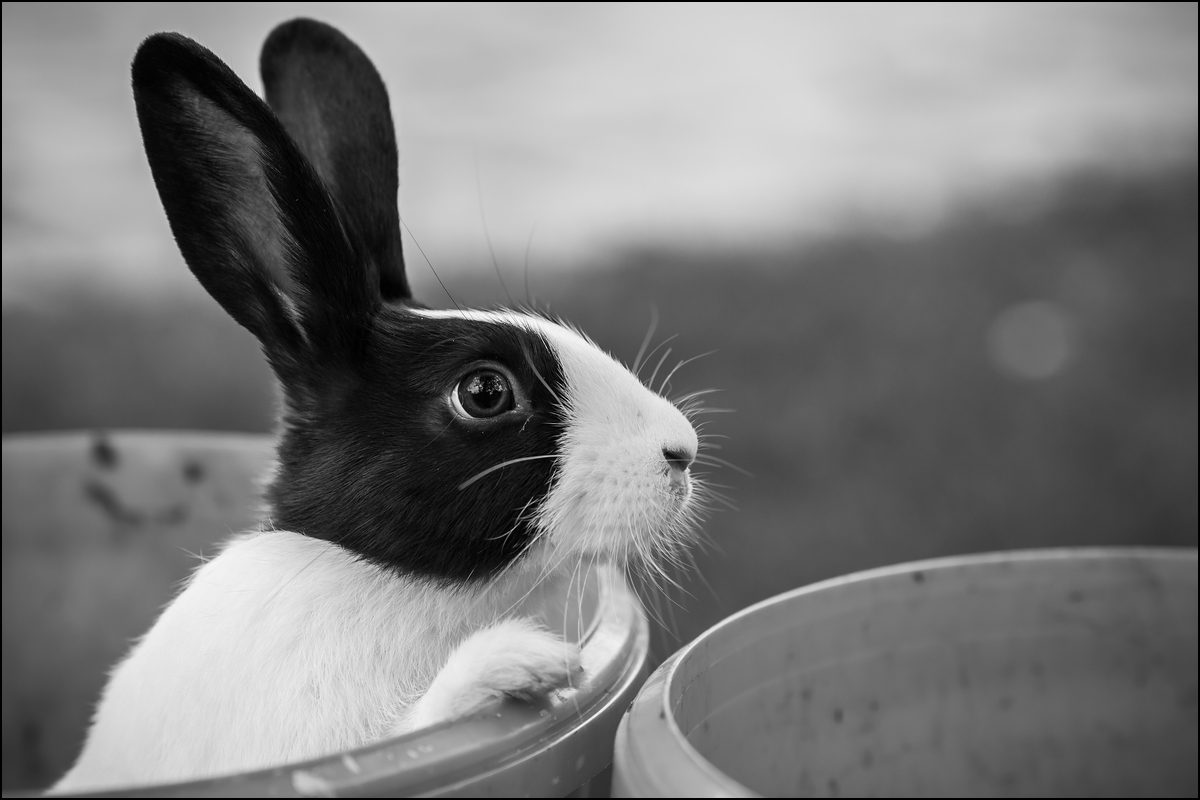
{"x": 597, "y": 127}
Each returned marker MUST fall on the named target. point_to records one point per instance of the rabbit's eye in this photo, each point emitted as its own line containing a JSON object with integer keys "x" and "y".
{"x": 483, "y": 394}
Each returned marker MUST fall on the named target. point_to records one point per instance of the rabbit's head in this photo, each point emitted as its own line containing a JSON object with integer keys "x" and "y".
{"x": 446, "y": 444}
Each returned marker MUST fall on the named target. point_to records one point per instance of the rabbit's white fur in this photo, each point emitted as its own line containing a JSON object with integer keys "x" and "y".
{"x": 290, "y": 647}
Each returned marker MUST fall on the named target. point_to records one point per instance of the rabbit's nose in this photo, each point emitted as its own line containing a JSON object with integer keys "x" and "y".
{"x": 679, "y": 458}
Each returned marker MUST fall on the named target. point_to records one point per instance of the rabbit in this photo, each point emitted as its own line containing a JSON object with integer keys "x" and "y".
{"x": 440, "y": 475}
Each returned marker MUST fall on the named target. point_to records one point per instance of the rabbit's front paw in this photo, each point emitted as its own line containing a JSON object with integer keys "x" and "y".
{"x": 519, "y": 660}
{"x": 514, "y": 658}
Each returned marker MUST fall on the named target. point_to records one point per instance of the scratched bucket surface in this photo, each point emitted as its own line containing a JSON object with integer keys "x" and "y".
{"x": 99, "y": 529}
{"x": 1033, "y": 673}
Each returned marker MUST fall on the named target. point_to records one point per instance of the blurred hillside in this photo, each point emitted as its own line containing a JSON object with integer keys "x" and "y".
{"x": 869, "y": 402}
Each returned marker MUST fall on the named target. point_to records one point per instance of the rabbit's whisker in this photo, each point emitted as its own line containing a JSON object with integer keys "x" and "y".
{"x": 657, "y": 367}
{"x": 637, "y": 362}
{"x": 705, "y": 458}
{"x": 501, "y": 465}
{"x": 528, "y": 247}
{"x": 520, "y": 518}
{"x": 692, "y": 411}
{"x": 655, "y": 350}
{"x": 487, "y": 235}
{"x": 538, "y": 374}
{"x": 666, "y": 380}
{"x": 421, "y": 250}
{"x": 693, "y": 395}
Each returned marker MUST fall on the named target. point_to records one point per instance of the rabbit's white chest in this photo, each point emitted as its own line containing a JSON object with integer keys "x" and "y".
{"x": 283, "y": 647}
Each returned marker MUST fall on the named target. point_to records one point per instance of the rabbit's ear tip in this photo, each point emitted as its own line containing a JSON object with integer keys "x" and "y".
{"x": 296, "y": 29}
{"x": 160, "y": 45}
{"x": 164, "y": 53}
{"x": 301, "y": 24}
{"x": 154, "y": 48}
{"x": 154, "y": 57}
{"x": 160, "y": 39}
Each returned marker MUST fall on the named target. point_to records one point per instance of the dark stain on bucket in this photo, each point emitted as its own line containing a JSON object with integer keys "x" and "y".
{"x": 193, "y": 471}
{"x": 103, "y": 452}
{"x": 108, "y": 502}
{"x": 126, "y": 516}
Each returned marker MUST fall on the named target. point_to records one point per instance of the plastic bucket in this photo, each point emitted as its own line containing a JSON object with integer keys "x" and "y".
{"x": 99, "y": 529}
{"x": 1035, "y": 673}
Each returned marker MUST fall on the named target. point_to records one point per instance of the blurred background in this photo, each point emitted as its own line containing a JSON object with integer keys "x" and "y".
{"x": 946, "y": 256}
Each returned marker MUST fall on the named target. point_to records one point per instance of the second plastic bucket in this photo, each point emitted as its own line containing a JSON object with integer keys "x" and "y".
{"x": 1036, "y": 673}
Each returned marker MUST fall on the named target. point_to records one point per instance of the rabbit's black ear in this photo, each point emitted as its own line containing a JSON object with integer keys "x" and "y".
{"x": 251, "y": 216}
{"x": 332, "y": 101}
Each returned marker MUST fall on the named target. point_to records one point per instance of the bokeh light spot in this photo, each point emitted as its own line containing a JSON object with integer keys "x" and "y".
{"x": 1031, "y": 340}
